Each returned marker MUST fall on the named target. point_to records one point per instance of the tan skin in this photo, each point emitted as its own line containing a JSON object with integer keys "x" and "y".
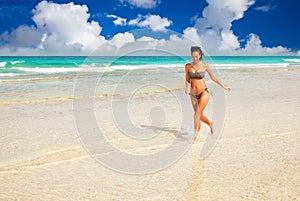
{"x": 196, "y": 86}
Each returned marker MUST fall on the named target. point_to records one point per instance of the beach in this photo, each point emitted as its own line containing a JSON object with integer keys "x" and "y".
{"x": 43, "y": 155}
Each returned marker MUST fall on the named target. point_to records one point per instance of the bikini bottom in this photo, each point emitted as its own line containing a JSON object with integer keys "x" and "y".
{"x": 198, "y": 96}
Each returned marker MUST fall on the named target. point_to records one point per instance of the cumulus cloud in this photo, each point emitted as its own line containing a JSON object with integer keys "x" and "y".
{"x": 118, "y": 20}
{"x": 219, "y": 15}
{"x": 254, "y": 47}
{"x": 61, "y": 22}
{"x": 121, "y": 39}
{"x": 142, "y": 3}
{"x": 23, "y": 36}
{"x": 217, "y": 37}
{"x": 60, "y": 28}
{"x": 155, "y": 22}
{"x": 191, "y": 34}
{"x": 215, "y": 26}
{"x": 146, "y": 45}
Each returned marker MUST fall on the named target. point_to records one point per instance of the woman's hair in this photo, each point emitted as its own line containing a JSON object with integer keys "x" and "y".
{"x": 196, "y": 49}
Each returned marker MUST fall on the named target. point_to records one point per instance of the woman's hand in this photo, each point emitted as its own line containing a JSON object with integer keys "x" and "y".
{"x": 187, "y": 87}
{"x": 227, "y": 88}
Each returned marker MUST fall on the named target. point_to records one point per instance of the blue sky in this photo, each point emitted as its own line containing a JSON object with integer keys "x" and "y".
{"x": 229, "y": 27}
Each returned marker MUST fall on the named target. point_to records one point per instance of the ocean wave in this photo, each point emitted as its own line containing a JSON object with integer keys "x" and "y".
{"x": 292, "y": 60}
{"x": 219, "y": 65}
{"x": 2, "y": 63}
{"x": 47, "y": 70}
{"x": 148, "y": 66}
{"x": 92, "y": 68}
{"x": 129, "y": 66}
{"x": 100, "y": 69}
{"x": 8, "y": 74}
{"x": 247, "y": 66}
{"x": 16, "y": 62}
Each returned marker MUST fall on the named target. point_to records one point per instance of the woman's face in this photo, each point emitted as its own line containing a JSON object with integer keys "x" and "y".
{"x": 196, "y": 56}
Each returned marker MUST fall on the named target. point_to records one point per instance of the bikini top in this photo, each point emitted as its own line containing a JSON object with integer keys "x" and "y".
{"x": 197, "y": 75}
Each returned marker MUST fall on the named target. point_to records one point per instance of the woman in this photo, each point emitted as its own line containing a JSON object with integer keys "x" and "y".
{"x": 197, "y": 89}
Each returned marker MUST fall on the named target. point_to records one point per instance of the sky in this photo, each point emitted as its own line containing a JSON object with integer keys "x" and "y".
{"x": 112, "y": 27}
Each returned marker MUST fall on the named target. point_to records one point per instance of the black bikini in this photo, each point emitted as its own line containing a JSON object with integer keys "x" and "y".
{"x": 199, "y": 95}
{"x": 197, "y": 75}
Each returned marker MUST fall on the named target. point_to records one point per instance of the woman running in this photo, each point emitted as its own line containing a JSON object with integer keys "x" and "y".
{"x": 197, "y": 89}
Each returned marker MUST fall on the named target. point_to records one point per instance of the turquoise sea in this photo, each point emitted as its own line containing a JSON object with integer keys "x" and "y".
{"x": 13, "y": 66}
{"x": 31, "y": 78}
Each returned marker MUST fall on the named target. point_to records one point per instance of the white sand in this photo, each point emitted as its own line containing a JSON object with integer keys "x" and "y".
{"x": 257, "y": 157}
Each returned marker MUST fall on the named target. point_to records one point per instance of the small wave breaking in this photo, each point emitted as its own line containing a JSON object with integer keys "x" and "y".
{"x": 292, "y": 60}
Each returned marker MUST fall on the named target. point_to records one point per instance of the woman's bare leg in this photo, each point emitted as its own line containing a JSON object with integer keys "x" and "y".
{"x": 194, "y": 103}
{"x": 196, "y": 117}
{"x": 201, "y": 106}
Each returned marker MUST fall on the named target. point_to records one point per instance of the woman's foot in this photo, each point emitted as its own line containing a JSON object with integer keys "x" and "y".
{"x": 211, "y": 128}
{"x": 195, "y": 139}
{"x": 195, "y": 136}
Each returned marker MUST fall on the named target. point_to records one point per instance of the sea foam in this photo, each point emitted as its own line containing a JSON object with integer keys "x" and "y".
{"x": 2, "y": 63}
{"x": 292, "y": 60}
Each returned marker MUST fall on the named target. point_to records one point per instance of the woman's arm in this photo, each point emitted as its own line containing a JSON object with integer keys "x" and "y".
{"x": 215, "y": 79}
{"x": 187, "y": 79}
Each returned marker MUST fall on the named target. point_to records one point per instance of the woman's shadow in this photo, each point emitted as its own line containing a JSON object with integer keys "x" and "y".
{"x": 179, "y": 134}
{"x": 158, "y": 118}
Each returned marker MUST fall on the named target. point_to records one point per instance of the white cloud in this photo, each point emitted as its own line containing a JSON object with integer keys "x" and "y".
{"x": 265, "y": 8}
{"x": 23, "y": 36}
{"x": 191, "y": 34}
{"x": 229, "y": 41}
{"x": 219, "y": 15}
{"x": 194, "y": 18}
{"x": 142, "y": 3}
{"x": 217, "y": 37}
{"x": 146, "y": 39}
{"x": 135, "y": 21}
{"x": 121, "y": 39}
{"x": 118, "y": 20}
{"x": 254, "y": 47}
{"x": 155, "y": 22}
{"x": 145, "y": 45}
{"x": 146, "y": 42}
{"x": 214, "y": 27}
{"x": 61, "y": 22}
{"x": 60, "y": 29}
